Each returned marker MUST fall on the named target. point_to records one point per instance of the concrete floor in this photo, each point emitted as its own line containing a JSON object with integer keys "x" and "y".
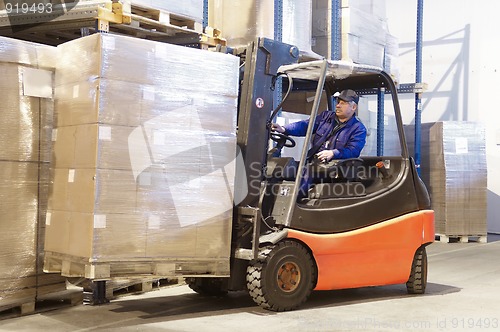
{"x": 463, "y": 294}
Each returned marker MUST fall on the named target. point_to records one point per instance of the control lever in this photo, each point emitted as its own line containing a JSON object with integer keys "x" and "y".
{"x": 381, "y": 167}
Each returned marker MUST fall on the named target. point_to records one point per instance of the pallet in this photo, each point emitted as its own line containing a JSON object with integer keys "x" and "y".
{"x": 71, "y": 266}
{"x": 115, "y": 288}
{"x": 17, "y": 308}
{"x": 151, "y": 18}
{"x": 461, "y": 238}
{"x": 44, "y": 303}
{"x": 102, "y": 292}
{"x": 121, "y": 287}
{"x": 88, "y": 17}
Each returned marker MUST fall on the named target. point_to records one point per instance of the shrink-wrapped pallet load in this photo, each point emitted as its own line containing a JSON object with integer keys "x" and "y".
{"x": 242, "y": 21}
{"x": 364, "y": 33}
{"x": 143, "y": 162}
{"x": 453, "y": 166}
{"x": 25, "y": 130}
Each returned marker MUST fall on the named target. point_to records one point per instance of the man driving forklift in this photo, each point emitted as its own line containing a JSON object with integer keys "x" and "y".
{"x": 338, "y": 135}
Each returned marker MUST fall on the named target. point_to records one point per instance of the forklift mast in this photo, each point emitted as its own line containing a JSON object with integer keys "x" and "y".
{"x": 262, "y": 60}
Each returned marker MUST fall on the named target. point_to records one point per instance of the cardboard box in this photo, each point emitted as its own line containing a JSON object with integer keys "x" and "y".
{"x": 18, "y": 220}
{"x": 259, "y": 22}
{"x": 98, "y": 191}
{"x": 206, "y": 241}
{"x": 27, "y": 120}
{"x": 151, "y": 63}
{"x": 99, "y": 237}
{"x": 99, "y": 101}
{"x": 453, "y": 167}
{"x": 93, "y": 145}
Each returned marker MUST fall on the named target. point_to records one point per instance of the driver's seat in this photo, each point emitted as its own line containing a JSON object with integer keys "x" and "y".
{"x": 282, "y": 168}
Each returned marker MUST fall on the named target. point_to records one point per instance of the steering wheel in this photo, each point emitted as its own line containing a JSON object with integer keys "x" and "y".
{"x": 282, "y": 139}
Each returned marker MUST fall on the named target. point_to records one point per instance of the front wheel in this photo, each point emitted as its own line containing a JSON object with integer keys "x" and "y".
{"x": 418, "y": 276}
{"x": 283, "y": 278}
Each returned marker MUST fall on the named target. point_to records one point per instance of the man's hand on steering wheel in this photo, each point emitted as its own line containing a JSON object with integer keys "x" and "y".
{"x": 277, "y": 127}
{"x": 282, "y": 140}
{"x": 278, "y": 135}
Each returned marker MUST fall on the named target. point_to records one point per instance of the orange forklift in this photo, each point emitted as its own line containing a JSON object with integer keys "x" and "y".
{"x": 365, "y": 222}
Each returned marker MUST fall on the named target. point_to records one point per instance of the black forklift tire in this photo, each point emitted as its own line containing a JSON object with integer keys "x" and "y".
{"x": 208, "y": 286}
{"x": 283, "y": 278}
{"x": 417, "y": 282}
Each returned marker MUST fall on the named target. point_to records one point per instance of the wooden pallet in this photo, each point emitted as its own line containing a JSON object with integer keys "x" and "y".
{"x": 152, "y": 18}
{"x": 121, "y": 287}
{"x": 461, "y": 238}
{"x": 70, "y": 266}
{"x": 46, "y": 302}
{"x": 87, "y": 17}
{"x": 17, "y": 308}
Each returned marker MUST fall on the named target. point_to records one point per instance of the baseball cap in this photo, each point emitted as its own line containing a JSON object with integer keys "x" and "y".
{"x": 348, "y": 95}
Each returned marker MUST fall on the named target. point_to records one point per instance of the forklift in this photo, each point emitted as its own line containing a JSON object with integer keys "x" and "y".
{"x": 365, "y": 221}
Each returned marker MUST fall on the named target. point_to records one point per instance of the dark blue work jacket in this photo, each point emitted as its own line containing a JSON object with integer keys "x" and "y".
{"x": 349, "y": 139}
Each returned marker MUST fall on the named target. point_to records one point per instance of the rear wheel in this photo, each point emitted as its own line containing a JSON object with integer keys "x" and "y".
{"x": 283, "y": 278}
{"x": 208, "y": 286}
{"x": 418, "y": 276}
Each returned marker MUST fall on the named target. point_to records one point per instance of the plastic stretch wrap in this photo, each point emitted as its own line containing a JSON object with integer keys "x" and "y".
{"x": 375, "y": 8}
{"x": 144, "y": 154}
{"x": 18, "y": 220}
{"x": 454, "y": 170}
{"x": 26, "y": 53}
{"x": 27, "y": 121}
{"x": 365, "y": 35}
{"x": 242, "y": 21}
{"x": 391, "y": 60}
{"x": 363, "y": 24}
{"x": 153, "y": 64}
{"x": 19, "y": 52}
{"x": 25, "y": 132}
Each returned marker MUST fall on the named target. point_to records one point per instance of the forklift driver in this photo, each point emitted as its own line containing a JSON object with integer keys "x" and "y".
{"x": 338, "y": 135}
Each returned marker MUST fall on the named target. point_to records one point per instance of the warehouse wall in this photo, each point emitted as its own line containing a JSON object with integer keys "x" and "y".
{"x": 461, "y": 55}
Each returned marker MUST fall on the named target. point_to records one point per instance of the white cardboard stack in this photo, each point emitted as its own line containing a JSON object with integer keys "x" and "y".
{"x": 242, "y": 21}
{"x": 144, "y": 150}
{"x": 365, "y": 36}
{"x": 453, "y": 167}
{"x": 24, "y": 164}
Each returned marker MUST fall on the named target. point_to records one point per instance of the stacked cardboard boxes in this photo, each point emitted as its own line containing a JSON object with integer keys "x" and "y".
{"x": 144, "y": 140}
{"x": 27, "y": 109}
{"x": 365, "y": 37}
{"x": 453, "y": 166}
{"x": 242, "y": 21}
